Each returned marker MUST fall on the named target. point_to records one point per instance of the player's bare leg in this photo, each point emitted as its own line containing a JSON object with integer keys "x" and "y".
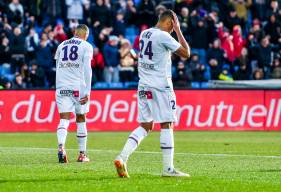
{"x": 61, "y": 135}
{"x": 167, "y": 147}
{"x": 82, "y": 137}
{"x": 131, "y": 145}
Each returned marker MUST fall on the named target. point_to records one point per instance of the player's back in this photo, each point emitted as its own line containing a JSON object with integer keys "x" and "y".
{"x": 70, "y": 62}
{"x": 154, "y": 63}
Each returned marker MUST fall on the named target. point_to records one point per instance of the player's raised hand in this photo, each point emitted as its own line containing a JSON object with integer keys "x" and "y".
{"x": 84, "y": 100}
{"x": 176, "y": 23}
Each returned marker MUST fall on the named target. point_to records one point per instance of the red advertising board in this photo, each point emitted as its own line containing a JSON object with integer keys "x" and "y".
{"x": 112, "y": 110}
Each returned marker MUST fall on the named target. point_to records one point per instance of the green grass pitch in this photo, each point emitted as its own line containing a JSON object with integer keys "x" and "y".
{"x": 217, "y": 162}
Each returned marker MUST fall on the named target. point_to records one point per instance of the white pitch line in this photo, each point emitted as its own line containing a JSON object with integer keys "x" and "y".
{"x": 147, "y": 152}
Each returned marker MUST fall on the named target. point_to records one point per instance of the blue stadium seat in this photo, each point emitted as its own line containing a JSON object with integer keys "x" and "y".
{"x": 195, "y": 85}
{"x": 10, "y": 77}
{"x": 204, "y": 85}
{"x": 131, "y": 38}
{"x": 101, "y": 85}
{"x": 131, "y": 84}
{"x": 5, "y": 69}
{"x": 130, "y": 31}
{"x": 116, "y": 85}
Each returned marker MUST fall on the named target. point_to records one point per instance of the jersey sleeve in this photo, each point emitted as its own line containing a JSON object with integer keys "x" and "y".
{"x": 87, "y": 69}
{"x": 169, "y": 42}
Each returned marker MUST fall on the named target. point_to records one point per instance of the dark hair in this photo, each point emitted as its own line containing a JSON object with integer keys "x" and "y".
{"x": 168, "y": 14}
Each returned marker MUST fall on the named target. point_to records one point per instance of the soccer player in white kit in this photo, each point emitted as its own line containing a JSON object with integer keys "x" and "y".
{"x": 156, "y": 98}
{"x": 73, "y": 87}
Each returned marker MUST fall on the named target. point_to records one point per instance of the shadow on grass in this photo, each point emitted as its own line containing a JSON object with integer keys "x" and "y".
{"x": 270, "y": 170}
{"x": 43, "y": 180}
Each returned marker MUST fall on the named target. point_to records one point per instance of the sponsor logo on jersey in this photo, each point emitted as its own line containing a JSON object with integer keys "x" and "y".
{"x": 68, "y": 65}
{"x": 147, "y": 66}
{"x": 69, "y": 93}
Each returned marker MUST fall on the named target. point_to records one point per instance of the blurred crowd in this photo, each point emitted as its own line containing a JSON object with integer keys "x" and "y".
{"x": 230, "y": 39}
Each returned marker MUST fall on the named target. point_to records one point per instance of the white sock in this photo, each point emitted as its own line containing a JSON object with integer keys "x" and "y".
{"x": 62, "y": 131}
{"x": 132, "y": 143}
{"x": 167, "y": 146}
{"x": 82, "y": 136}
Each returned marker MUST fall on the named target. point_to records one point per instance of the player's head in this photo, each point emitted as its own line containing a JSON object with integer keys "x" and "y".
{"x": 165, "y": 21}
{"x": 82, "y": 31}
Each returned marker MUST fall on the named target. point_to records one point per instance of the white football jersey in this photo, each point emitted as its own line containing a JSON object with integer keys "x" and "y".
{"x": 154, "y": 63}
{"x": 73, "y": 66}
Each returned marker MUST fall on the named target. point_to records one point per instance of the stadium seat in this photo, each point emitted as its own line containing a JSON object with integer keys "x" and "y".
{"x": 5, "y": 69}
{"x": 130, "y": 31}
{"x": 116, "y": 85}
{"x": 101, "y": 85}
{"x": 195, "y": 85}
{"x": 204, "y": 85}
{"x": 131, "y": 84}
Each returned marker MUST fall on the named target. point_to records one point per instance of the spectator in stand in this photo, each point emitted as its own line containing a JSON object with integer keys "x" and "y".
{"x": 184, "y": 21}
{"x": 5, "y": 83}
{"x": 233, "y": 19}
{"x": 273, "y": 29}
{"x": 238, "y": 41}
{"x": 259, "y": 9}
{"x": 112, "y": 58}
{"x": 17, "y": 43}
{"x": 97, "y": 66}
{"x": 119, "y": 26}
{"x": 199, "y": 39}
{"x": 130, "y": 13}
{"x": 215, "y": 69}
{"x": 182, "y": 78}
{"x": 242, "y": 73}
{"x": 258, "y": 74}
{"x": 226, "y": 43}
{"x": 5, "y": 53}
{"x": 276, "y": 69}
{"x": 274, "y": 10}
{"x": 127, "y": 61}
{"x": 60, "y": 35}
{"x": 146, "y": 13}
{"x": 16, "y": 11}
{"x": 52, "y": 9}
{"x": 75, "y": 9}
{"x": 52, "y": 42}
{"x": 37, "y": 76}
{"x": 198, "y": 69}
{"x": 216, "y": 52}
{"x": 264, "y": 55}
{"x": 242, "y": 7}
{"x": 25, "y": 74}
{"x": 101, "y": 15}
{"x": 225, "y": 75}
{"x": 44, "y": 56}
{"x": 18, "y": 83}
{"x": 31, "y": 44}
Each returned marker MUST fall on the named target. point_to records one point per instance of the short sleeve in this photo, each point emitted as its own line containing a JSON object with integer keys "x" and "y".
{"x": 89, "y": 52}
{"x": 169, "y": 42}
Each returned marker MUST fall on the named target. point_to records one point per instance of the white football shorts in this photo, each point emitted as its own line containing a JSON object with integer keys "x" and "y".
{"x": 156, "y": 105}
{"x": 68, "y": 101}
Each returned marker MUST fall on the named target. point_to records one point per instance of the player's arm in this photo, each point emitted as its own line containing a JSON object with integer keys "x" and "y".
{"x": 184, "y": 50}
{"x": 87, "y": 74}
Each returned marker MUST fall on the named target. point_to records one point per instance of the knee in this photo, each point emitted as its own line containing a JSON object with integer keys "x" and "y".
{"x": 167, "y": 125}
{"x": 147, "y": 126}
{"x": 80, "y": 118}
